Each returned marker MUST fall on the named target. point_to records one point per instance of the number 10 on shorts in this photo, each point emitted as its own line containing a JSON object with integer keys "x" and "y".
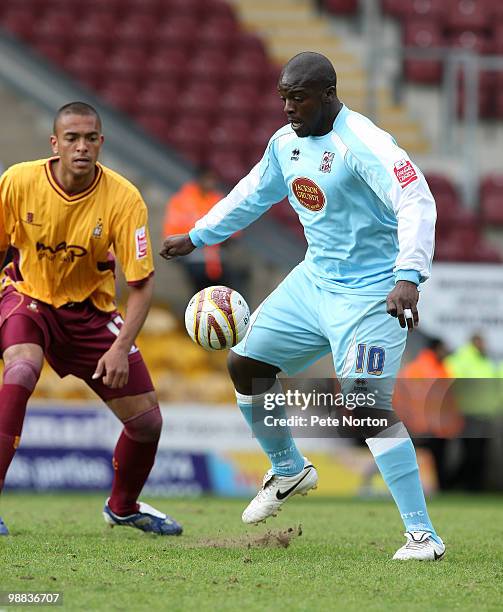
{"x": 375, "y": 359}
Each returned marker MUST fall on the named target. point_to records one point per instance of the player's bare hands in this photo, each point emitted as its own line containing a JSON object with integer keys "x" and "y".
{"x": 402, "y": 303}
{"x": 113, "y": 367}
{"x": 177, "y": 246}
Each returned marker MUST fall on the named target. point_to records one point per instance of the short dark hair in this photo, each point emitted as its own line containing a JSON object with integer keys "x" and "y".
{"x": 312, "y": 69}
{"x": 76, "y": 108}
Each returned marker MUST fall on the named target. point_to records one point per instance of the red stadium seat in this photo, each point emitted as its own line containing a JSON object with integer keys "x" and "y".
{"x": 190, "y": 138}
{"x": 423, "y": 35}
{"x": 121, "y": 94}
{"x": 200, "y": 100}
{"x": 247, "y": 67}
{"x": 158, "y": 98}
{"x": 168, "y": 65}
{"x": 394, "y": 7}
{"x": 136, "y": 30}
{"x": 219, "y": 35}
{"x": 179, "y": 32}
{"x": 476, "y": 41}
{"x": 467, "y": 14}
{"x": 341, "y": 7}
{"x": 230, "y": 135}
{"x": 219, "y": 9}
{"x": 136, "y": 8}
{"x": 156, "y": 126}
{"x": 239, "y": 101}
{"x": 209, "y": 66}
{"x": 491, "y": 199}
{"x": 85, "y": 63}
{"x": 55, "y": 52}
{"x": 126, "y": 63}
{"x": 32, "y": 8}
{"x": 228, "y": 166}
{"x": 246, "y": 42}
{"x": 18, "y": 22}
{"x": 429, "y": 9}
{"x": 56, "y": 25}
{"x": 98, "y": 29}
{"x": 190, "y": 8}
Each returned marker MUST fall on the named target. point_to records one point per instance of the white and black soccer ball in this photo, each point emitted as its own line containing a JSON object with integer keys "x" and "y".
{"x": 216, "y": 318}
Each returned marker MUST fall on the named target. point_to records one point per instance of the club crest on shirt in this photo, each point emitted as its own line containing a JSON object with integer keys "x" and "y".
{"x": 309, "y": 194}
{"x": 29, "y": 217}
{"x": 326, "y": 161}
{"x": 98, "y": 230}
{"x": 404, "y": 172}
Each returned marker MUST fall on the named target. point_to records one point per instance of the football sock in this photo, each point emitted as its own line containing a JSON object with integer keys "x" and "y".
{"x": 19, "y": 380}
{"x": 276, "y": 441}
{"x": 395, "y": 456}
{"x": 133, "y": 459}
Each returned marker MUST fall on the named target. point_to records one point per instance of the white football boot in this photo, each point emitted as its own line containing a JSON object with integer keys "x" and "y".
{"x": 420, "y": 546}
{"x": 276, "y": 490}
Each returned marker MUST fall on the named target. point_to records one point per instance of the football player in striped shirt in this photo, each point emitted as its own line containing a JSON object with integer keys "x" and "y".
{"x": 62, "y": 218}
{"x": 369, "y": 220}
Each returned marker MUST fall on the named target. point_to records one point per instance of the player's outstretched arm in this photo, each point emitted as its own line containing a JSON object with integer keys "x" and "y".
{"x": 113, "y": 365}
{"x": 177, "y": 245}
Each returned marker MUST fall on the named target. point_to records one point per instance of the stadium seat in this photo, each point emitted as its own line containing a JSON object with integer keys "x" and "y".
{"x": 239, "y": 101}
{"x": 341, "y": 7}
{"x": 491, "y": 199}
{"x": 122, "y": 94}
{"x": 467, "y": 14}
{"x": 98, "y": 29}
{"x": 200, "y": 100}
{"x": 56, "y": 25}
{"x": 193, "y": 8}
{"x": 229, "y": 167}
{"x": 423, "y": 35}
{"x": 142, "y": 8}
{"x": 126, "y": 63}
{"x": 136, "y": 30}
{"x": 429, "y": 9}
{"x": 158, "y": 98}
{"x": 247, "y": 67}
{"x": 55, "y": 52}
{"x": 218, "y": 35}
{"x": 190, "y": 137}
{"x": 210, "y": 67}
{"x": 230, "y": 134}
{"x": 168, "y": 65}
{"x": 246, "y": 42}
{"x": 219, "y": 9}
{"x": 471, "y": 40}
{"x": 85, "y": 63}
{"x": 178, "y": 32}
{"x": 18, "y": 22}
{"x": 157, "y": 126}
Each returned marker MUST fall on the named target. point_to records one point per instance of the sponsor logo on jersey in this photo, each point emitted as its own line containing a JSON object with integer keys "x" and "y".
{"x": 309, "y": 194}
{"x": 69, "y": 251}
{"x": 326, "y": 161}
{"x": 98, "y": 230}
{"x": 141, "y": 242}
{"x": 404, "y": 172}
{"x": 295, "y": 155}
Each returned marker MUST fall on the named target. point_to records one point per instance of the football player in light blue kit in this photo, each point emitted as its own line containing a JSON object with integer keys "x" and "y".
{"x": 369, "y": 220}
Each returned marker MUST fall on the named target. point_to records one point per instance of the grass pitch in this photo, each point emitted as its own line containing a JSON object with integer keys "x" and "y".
{"x": 319, "y": 554}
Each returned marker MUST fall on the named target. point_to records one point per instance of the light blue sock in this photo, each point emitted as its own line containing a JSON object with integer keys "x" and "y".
{"x": 395, "y": 456}
{"x": 276, "y": 441}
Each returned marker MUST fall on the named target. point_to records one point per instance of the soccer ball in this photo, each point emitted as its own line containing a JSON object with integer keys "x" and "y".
{"x": 217, "y": 317}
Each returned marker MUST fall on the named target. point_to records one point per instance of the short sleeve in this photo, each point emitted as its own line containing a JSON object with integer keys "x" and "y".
{"x": 131, "y": 242}
{"x": 4, "y": 199}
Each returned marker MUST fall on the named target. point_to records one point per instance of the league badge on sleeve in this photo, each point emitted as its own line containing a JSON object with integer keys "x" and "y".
{"x": 141, "y": 242}
{"x": 404, "y": 172}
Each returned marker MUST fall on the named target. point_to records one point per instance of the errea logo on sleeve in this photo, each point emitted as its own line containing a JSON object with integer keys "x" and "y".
{"x": 404, "y": 172}
{"x": 141, "y": 242}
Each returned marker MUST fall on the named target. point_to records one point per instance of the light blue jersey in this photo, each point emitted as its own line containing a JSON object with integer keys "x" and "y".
{"x": 367, "y": 212}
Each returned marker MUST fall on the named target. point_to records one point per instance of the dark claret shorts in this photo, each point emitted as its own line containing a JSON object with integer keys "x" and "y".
{"x": 75, "y": 337}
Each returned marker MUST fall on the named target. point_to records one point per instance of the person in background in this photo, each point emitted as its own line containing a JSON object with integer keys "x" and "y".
{"x": 183, "y": 209}
{"x": 479, "y": 404}
{"x": 425, "y": 402}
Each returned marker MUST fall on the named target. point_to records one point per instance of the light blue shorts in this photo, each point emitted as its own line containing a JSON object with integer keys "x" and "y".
{"x": 299, "y": 323}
